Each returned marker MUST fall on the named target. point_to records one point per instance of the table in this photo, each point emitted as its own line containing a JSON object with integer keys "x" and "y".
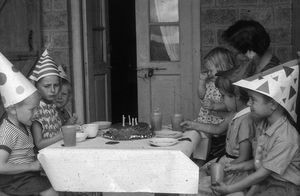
{"x": 130, "y": 166}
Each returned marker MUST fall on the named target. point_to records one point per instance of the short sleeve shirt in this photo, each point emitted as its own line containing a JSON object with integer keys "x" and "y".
{"x": 47, "y": 116}
{"x": 280, "y": 150}
{"x": 18, "y": 143}
{"x": 212, "y": 93}
{"x": 240, "y": 128}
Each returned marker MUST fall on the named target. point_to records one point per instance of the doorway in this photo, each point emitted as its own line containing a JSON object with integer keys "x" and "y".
{"x": 123, "y": 59}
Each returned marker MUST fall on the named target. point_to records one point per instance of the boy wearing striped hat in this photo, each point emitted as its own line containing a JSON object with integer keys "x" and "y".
{"x": 46, "y": 125}
{"x": 276, "y": 147}
{"x": 19, "y": 168}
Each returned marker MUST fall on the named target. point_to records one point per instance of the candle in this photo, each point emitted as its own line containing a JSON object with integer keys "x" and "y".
{"x": 129, "y": 120}
{"x": 136, "y": 122}
{"x": 132, "y": 122}
{"x": 123, "y": 120}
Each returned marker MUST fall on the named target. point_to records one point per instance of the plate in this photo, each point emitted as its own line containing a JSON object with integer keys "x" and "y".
{"x": 166, "y": 133}
{"x": 163, "y": 141}
{"x": 102, "y": 124}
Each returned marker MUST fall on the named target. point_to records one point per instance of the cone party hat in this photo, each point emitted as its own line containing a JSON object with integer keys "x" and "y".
{"x": 279, "y": 83}
{"x": 14, "y": 86}
{"x": 46, "y": 66}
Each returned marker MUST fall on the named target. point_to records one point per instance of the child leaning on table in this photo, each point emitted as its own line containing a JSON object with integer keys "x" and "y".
{"x": 63, "y": 98}
{"x": 47, "y": 124}
{"x": 240, "y": 131}
{"x": 276, "y": 161}
{"x": 19, "y": 168}
{"x": 212, "y": 107}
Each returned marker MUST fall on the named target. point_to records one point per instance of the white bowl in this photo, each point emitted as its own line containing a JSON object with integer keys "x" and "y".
{"x": 102, "y": 124}
{"x": 91, "y": 129}
{"x": 81, "y": 136}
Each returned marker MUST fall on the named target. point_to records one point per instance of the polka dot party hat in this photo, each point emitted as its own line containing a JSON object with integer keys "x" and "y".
{"x": 14, "y": 86}
{"x": 279, "y": 83}
{"x": 44, "y": 67}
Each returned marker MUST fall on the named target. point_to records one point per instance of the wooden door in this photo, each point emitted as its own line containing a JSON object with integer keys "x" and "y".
{"x": 97, "y": 63}
{"x": 166, "y": 30}
{"x": 20, "y": 39}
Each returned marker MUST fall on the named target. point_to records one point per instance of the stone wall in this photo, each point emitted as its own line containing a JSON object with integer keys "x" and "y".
{"x": 274, "y": 15}
{"x": 55, "y": 30}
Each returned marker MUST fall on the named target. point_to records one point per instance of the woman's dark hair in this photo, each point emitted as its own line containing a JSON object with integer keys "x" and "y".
{"x": 247, "y": 35}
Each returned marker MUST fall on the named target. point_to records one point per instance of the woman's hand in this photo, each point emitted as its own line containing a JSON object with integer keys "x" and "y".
{"x": 72, "y": 120}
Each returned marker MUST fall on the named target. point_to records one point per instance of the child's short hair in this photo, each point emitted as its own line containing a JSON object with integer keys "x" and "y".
{"x": 247, "y": 35}
{"x": 221, "y": 58}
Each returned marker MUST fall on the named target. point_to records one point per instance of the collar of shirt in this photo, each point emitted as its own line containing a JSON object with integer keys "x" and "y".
{"x": 242, "y": 112}
{"x": 271, "y": 129}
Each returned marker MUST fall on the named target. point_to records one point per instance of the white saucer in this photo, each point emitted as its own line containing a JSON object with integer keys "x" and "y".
{"x": 166, "y": 133}
{"x": 163, "y": 141}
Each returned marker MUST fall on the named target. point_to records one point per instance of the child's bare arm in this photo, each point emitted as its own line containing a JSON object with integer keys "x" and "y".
{"x": 8, "y": 168}
{"x": 208, "y": 128}
{"x": 245, "y": 152}
{"x": 202, "y": 85}
{"x": 41, "y": 142}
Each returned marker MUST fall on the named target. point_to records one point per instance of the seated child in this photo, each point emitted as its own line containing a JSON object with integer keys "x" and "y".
{"x": 19, "y": 168}
{"x": 47, "y": 124}
{"x": 239, "y": 134}
{"x": 273, "y": 95}
{"x": 63, "y": 97}
{"x": 218, "y": 59}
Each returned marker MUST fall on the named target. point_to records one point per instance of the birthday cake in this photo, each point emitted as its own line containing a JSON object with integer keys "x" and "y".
{"x": 128, "y": 132}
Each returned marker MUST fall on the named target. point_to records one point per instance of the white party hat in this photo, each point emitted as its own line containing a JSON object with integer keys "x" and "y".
{"x": 46, "y": 66}
{"x": 279, "y": 83}
{"x": 14, "y": 86}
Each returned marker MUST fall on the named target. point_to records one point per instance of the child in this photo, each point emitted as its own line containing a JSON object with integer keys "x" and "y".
{"x": 19, "y": 169}
{"x": 273, "y": 96}
{"x": 63, "y": 98}
{"x": 218, "y": 59}
{"x": 46, "y": 125}
{"x": 239, "y": 134}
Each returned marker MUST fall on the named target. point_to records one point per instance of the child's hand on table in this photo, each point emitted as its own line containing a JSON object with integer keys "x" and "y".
{"x": 189, "y": 125}
{"x": 72, "y": 120}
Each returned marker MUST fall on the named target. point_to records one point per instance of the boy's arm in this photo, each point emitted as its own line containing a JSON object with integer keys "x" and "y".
{"x": 39, "y": 141}
{"x": 7, "y": 168}
{"x": 245, "y": 152}
{"x": 241, "y": 185}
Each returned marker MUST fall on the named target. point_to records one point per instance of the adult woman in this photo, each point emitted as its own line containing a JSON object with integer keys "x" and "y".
{"x": 249, "y": 38}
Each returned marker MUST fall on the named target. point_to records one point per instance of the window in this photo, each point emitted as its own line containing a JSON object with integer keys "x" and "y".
{"x": 164, "y": 30}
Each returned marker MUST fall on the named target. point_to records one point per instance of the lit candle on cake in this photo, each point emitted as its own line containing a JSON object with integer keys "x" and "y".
{"x": 123, "y": 120}
{"x": 132, "y": 122}
{"x": 136, "y": 122}
{"x": 129, "y": 120}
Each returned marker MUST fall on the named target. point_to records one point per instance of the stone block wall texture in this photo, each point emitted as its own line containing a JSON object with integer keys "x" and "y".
{"x": 274, "y": 15}
{"x": 55, "y": 31}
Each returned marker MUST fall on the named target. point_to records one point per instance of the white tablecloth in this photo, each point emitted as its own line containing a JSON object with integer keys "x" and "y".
{"x": 129, "y": 166}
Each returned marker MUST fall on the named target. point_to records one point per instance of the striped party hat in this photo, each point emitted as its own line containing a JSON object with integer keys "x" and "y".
{"x": 44, "y": 67}
{"x": 14, "y": 86}
{"x": 279, "y": 83}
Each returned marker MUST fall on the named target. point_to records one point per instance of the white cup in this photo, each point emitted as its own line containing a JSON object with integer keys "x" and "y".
{"x": 91, "y": 129}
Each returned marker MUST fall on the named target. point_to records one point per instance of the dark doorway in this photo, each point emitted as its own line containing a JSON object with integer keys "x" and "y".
{"x": 123, "y": 59}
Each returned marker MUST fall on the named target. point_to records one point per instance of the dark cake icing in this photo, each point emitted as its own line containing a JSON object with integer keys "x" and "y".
{"x": 128, "y": 132}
